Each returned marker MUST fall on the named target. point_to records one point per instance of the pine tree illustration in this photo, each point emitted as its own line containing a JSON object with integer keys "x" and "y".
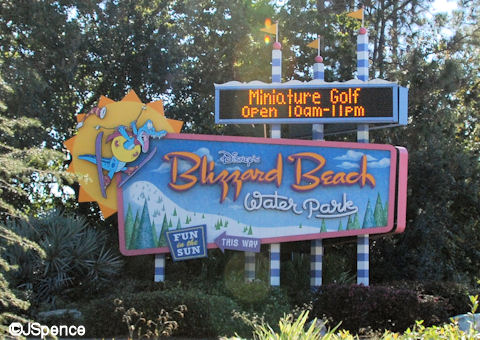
{"x": 136, "y": 223}
{"x": 385, "y": 213}
{"x": 349, "y": 223}
{"x": 250, "y": 231}
{"x": 378, "y": 213}
{"x": 154, "y": 234}
{"x": 368, "y": 219}
{"x": 129, "y": 225}
{"x": 170, "y": 225}
{"x": 143, "y": 234}
{"x": 174, "y": 211}
{"x": 340, "y": 226}
{"x": 179, "y": 226}
{"x": 162, "y": 239}
{"x": 323, "y": 227}
{"x": 356, "y": 222}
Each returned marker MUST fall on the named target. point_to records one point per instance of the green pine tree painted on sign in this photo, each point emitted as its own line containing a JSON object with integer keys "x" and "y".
{"x": 143, "y": 234}
{"x": 131, "y": 244}
{"x": 356, "y": 222}
{"x": 378, "y": 213}
{"x": 174, "y": 211}
{"x": 250, "y": 231}
{"x": 162, "y": 239}
{"x": 154, "y": 233}
{"x": 349, "y": 223}
{"x": 340, "y": 226}
{"x": 323, "y": 227}
{"x": 385, "y": 213}
{"x": 129, "y": 225}
{"x": 179, "y": 225}
{"x": 368, "y": 219}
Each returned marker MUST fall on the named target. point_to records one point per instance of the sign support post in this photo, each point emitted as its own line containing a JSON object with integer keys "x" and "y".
{"x": 362, "y": 137}
{"x": 159, "y": 268}
{"x": 316, "y": 246}
{"x": 275, "y": 132}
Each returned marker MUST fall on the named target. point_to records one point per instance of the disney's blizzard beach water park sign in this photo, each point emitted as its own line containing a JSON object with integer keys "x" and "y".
{"x": 263, "y": 190}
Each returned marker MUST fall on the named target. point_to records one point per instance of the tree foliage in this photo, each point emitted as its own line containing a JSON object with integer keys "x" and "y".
{"x": 58, "y": 57}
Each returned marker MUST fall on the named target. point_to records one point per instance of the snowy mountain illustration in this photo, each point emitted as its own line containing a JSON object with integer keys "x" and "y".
{"x": 149, "y": 213}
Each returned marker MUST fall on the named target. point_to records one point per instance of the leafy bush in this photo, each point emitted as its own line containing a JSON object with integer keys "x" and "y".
{"x": 454, "y": 294}
{"x": 376, "y": 307}
{"x": 206, "y": 315}
{"x": 294, "y": 328}
{"x": 75, "y": 257}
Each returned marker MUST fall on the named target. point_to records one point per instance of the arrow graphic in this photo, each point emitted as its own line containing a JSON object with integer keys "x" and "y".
{"x": 224, "y": 241}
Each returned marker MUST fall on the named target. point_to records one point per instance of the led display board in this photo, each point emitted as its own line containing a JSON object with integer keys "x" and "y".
{"x": 310, "y": 103}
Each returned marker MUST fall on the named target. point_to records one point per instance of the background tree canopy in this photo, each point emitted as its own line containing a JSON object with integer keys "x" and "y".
{"x": 58, "y": 57}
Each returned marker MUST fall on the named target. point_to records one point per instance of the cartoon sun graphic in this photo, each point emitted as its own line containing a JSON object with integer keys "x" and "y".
{"x": 109, "y": 138}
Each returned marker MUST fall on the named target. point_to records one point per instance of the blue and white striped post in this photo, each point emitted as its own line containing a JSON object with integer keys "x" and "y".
{"x": 249, "y": 266}
{"x": 159, "y": 268}
{"x": 363, "y": 275}
{"x": 316, "y": 246}
{"x": 275, "y": 132}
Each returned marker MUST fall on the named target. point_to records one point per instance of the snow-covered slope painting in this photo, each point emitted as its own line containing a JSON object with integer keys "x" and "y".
{"x": 272, "y": 192}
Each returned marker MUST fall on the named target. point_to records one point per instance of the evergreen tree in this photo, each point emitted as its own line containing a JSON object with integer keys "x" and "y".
{"x": 154, "y": 234}
{"x": 340, "y": 226}
{"x": 162, "y": 239}
{"x": 170, "y": 224}
{"x": 349, "y": 223}
{"x": 323, "y": 227}
{"x": 385, "y": 213}
{"x": 250, "y": 231}
{"x": 179, "y": 225}
{"x": 144, "y": 236}
{"x": 129, "y": 226}
{"x": 356, "y": 222}
{"x": 378, "y": 214}
{"x": 368, "y": 219}
{"x": 174, "y": 211}
{"x": 136, "y": 223}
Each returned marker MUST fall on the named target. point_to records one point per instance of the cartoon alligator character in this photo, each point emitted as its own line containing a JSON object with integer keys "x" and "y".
{"x": 127, "y": 145}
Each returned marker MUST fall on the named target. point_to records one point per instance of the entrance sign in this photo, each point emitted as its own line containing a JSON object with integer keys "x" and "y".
{"x": 256, "y": 189}
{"x": 312, "y": 102}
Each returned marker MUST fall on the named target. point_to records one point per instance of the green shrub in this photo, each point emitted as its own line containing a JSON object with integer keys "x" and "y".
{"x": 206, "y": 315}
{"x": 377, "y": 307}
{"x": 76, "y": 257}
